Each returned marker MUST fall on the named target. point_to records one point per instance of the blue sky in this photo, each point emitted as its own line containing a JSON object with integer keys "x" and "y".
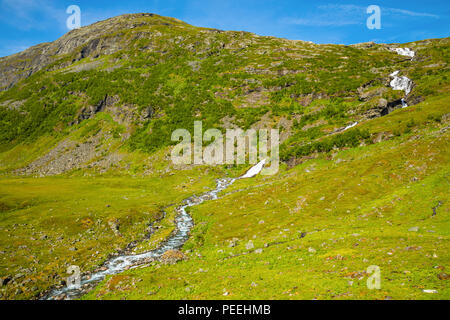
{"x": 25, "y": 23}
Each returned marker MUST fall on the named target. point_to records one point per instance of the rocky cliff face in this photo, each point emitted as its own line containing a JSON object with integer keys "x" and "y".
{"x": 101, "y": 38}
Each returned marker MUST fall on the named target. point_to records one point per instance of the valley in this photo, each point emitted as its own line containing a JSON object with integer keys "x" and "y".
{"x": 86, "y": 177}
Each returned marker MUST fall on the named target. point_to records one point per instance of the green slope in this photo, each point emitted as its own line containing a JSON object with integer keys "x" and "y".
{"x": 85, "y": 125}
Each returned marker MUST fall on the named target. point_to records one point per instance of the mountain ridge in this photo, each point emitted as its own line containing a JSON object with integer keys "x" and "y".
{"x": 77, "y": 37}
{"x": 105, "y": 47}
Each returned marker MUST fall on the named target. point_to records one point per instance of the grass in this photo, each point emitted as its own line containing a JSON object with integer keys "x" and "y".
{"x": 334, "y": 215}
{"x": 349, "y": 204}
{"x": 320, "y": 226}
{"x": 50, "y": 223}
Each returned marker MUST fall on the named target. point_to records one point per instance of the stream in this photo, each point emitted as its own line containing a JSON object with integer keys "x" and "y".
{"x": 176, "y": 240}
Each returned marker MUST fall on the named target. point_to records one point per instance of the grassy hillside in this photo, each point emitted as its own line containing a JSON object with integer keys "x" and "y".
{"x": 316, "y": 228}
{"x": 85, "y": 126}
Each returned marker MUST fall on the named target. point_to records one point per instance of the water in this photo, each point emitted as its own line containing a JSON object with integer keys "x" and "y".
{"x": 184, "y": 224}
{"x": 401, "y": 83}
{"x": 404, "y": 104}
{"x": 404, "y": 52}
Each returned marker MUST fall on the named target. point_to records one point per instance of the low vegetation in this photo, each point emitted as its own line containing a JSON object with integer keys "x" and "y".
{"x": 85, "y": 165}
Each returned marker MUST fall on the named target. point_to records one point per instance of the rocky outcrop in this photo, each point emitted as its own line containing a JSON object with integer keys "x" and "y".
{"x": 96, "y": 40}
{"x": 121, "y": 113}
{"x": 69, "y": 155}
{"x": 91, "y": 111}
{"x": 172, "y": 256}
{"x": 114, "y": 226}
{"x": 383, "y": 108}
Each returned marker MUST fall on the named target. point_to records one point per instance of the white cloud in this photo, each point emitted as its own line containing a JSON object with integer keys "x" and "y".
{"x": 347, "y": 14}
{"x": 321, "y": 21}
{"x": 409, "y": 13}
{"x": 351, "y": 8}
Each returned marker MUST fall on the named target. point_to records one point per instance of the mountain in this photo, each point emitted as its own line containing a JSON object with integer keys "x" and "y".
{"x": 85, "y": 132}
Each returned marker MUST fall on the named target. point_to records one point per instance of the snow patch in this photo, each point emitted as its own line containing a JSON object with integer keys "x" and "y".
{"x": 253, "y": 171}
{"x": 350, "y": 126}
{"x": 394, "y": 74}
{"x": 404, "y": 52}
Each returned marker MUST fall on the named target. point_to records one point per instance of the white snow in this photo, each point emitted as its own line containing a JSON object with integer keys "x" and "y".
{"x": 350, "y": 126}
{"x": 404, "y": 52}
{"x": 253, "y": 171}
{"x": 395, "y": 73}
{"x": 430, "y": 291}
{"x": 401, "y": 83}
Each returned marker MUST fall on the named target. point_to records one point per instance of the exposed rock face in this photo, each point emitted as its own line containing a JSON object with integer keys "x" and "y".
{"x": 121, "y": 113}
{"x": 13, "y": 105}
{"x": 365, "y": 95}
{"x": 69, "y": 155}
{"x": 22, "y": 65}
{"x": 89, "y": 112}
{"x": 384, "y": 107}
{"x": 92, "y": 41}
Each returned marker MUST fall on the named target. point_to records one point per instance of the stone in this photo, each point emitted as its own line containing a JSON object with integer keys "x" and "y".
{"x": 311, "y": 250}
{"x": 147, "y": 113}
{"x": 443, "y": 276}
{"x": 382, "y": 103}
{"x": 430, "y": 291}
{"x": 249, "y": 245}
{"x": 4, "y": 281}
{"x": 172, "y": 256}
{"x": 413, "y": 229}
{"x": 114, "y": 225}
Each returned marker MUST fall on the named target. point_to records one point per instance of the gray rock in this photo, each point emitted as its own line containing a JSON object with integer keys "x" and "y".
{"x": 93, "y": 41}
{"x": 4, "y": 281}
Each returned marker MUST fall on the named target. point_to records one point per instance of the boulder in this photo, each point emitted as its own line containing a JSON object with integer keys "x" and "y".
{"x": 172, "y": 256}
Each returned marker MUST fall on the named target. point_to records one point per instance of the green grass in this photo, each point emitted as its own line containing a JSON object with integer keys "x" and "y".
{"x": 351, "y": 196}
{"x": 356, "y": 210}
{"x": 74, "y": 212}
